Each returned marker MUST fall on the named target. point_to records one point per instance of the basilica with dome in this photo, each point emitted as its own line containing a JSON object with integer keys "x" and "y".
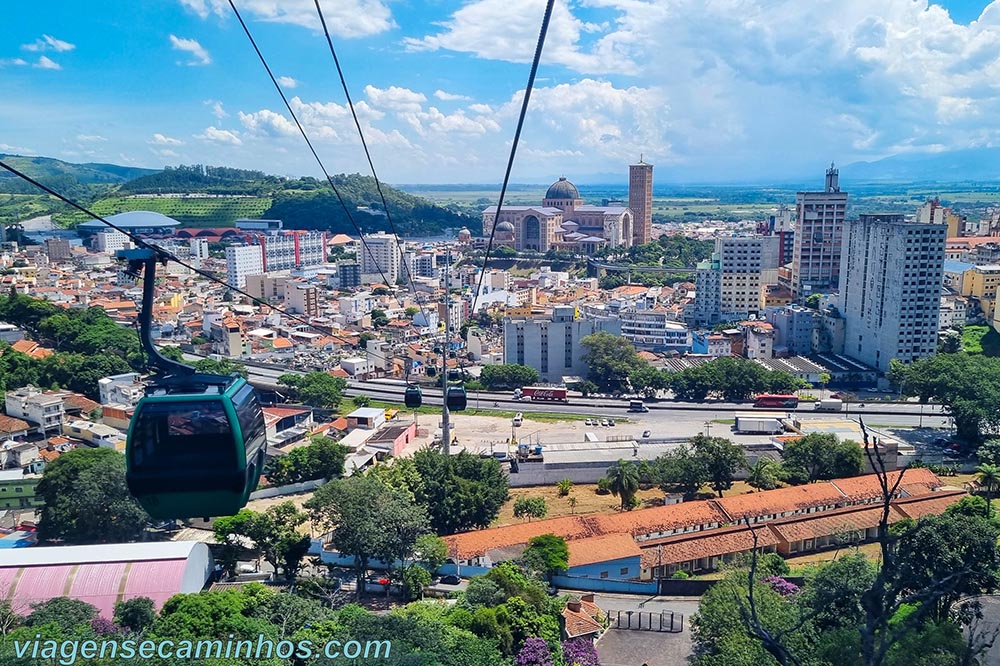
{"x": 564, "y": 222}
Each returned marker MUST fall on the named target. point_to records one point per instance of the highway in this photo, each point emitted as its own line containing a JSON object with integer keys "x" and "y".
{"x": 663, "y": 412}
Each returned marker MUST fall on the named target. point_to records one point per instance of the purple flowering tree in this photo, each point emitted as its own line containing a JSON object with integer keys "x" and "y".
{"x": 102, "y": 626}
{"x": 781, "y": 586}
{"x": 535, "y": 652}
{"x": 580, "y": 652}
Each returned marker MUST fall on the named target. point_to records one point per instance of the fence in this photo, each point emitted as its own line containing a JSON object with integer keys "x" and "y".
{"x": 667, "y": 621}
{"x": 603, "y": 585}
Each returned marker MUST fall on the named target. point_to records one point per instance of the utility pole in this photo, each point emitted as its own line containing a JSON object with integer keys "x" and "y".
{"x": 445, "y": 348}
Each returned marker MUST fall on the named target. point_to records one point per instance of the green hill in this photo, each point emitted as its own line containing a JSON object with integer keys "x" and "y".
{"x": 213, "y": 211}
{"x": 59, "y": 175}
{"x": 208, "y": 196}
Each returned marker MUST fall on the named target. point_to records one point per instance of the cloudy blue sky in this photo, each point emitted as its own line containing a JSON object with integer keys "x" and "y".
{"x": 708, "y": 90}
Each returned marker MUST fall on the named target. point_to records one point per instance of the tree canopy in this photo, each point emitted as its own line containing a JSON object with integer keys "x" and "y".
{"x": 611, "y": 359}
{"x": 87, "y": 501}
{"x": 322, "y": 458}
{"x": 318, "y": 389}
{"x": 821, "y": 457}
{"x": 460, "y": 492}
{"x": 508, "y": 376}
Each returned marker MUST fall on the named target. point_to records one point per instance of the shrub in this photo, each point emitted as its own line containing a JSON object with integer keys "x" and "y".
{"x": 603, "y": 486}
{"x": 564, "y": 486}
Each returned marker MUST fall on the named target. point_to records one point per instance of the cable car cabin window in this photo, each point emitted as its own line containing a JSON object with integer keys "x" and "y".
{"x": 172, "y": 437}
{"x": 250, "y": 416}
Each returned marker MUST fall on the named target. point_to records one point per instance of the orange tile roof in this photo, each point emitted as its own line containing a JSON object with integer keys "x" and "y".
{"x": 473, "y": 544}
{"x": 281, "y": 343}
{"x": 924, "y": 505}
{"x": 49, "y": 456}
{"x": 659, "y": 518}
{"x": 713, "y": 543}
{"x": 601, "y": 549}
{"x": 339, "y": 372}
{"x": 580, "y": 623}
{"x": 24, "y": 346}
{"x": 779, "y": 501}
{"x": 9, "y": 424}
{"x": 866, "y": 487}
{"x": 829, "y": 523}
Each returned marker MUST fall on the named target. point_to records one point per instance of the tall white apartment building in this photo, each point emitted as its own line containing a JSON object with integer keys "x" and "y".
{"x": 291, "y": 249}
{"x": 199, "y": 248}
{"x": 241, "y": 261}
{"x": 380, "y": 255}
{"x": 552, "y": 346}
{"x": 706, "y": 308}
{"x": 890, "y": 288}
{"x": 111, "y": 240}
{"x": 818, "y": 232}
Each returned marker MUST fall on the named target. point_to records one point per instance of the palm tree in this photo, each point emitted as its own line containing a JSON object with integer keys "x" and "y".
{"x": 624, "y": 482}
{"x": 989, "y": 480}
{"x": 762, "y": 475}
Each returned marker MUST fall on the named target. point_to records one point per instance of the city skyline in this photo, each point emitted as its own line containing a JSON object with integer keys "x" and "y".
{"x": 438, "y": 88}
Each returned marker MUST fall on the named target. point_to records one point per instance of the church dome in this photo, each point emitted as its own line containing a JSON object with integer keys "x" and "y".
{"x": 562, "y": 189}
{"x": 464, "y": 234}
{"x": 505, "y": 227}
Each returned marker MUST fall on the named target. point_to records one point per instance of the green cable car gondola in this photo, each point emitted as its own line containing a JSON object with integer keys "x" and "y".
{"x": 195, "y": 447}
{"x": 196, "y": 442}
{"x": 414, "y": 397}
{"x": 457, "y": 398}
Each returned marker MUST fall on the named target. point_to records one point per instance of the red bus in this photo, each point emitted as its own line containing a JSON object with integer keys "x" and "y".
{"x": 771, "y": 400}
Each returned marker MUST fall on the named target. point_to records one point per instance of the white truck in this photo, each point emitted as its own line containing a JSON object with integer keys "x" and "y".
{"x": 829, "y": 405}
{"x": 759, "y": 424}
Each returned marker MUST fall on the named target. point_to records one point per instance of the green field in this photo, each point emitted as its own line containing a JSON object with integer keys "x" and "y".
{"x": 189, "y": 211}
{"x": 20, "y": 207}
{"x": 981, "y": 340}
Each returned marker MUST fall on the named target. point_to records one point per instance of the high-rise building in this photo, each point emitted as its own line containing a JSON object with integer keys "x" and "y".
{"x": 818, "y": 231}
{"x": 706, "y": 308}
{"x": 266, "y": 287}
{"x": 199, "y": 248}
{"x": 292, "y": 249}
{"x": 890, "y": 288}
{"x": 302, "y": 298}
{"x": 349, "y": 274}
{"x": 111, "y": 240}
{"x": 552, "y": 346}
{"x": 745, "y": 263}
{"x": 241, "y": 261}
{"x": 57, "y": 249}
{"x": 380, "y": 255}
{"x": 640, "y": 200}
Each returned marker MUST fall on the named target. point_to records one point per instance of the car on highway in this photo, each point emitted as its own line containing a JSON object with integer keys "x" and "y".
{"x": 451, "y": 579}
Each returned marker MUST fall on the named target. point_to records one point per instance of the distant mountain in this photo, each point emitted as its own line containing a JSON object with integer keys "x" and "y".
{"x": 971, "y": 164}
{"x": 59, "y": 175}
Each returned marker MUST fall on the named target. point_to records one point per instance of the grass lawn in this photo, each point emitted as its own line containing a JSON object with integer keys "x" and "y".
{"x": 981, "y": 340}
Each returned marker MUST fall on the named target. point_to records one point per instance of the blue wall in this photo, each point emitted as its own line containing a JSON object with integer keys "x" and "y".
{"x": 604, "y": 585}
{"x": 613, "y": 569}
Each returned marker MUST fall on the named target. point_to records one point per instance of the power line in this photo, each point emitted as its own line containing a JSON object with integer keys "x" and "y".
{"x": 315, "y": 155}
{"x": 171, "y": 257}
{"x": 371, "y": 165}
{"x": 513, "y": 147}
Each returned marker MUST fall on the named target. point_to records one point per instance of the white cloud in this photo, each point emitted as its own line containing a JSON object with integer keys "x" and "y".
{"x": 164, "y": 140}
{"x": 21, "y": 150}
{"x": 49, "y": 43}
{"x": 480, "y": 108}
{"x": 219, "y": 136}
{"x": 473, "y": 29}
{"x": 44, "y": 62}
{"x": 395, "y": 98}
{"x": 198, "y": 53}
{"x": 165, "y": 152}
{"x": 217, "y": 108}
{"x": 91, "y": 138}
{"x": 345, "y": 18}
{"x": 20, "y": 62}
{"x": 450, "y": 97}
{"x": 268, "y": 122}
{"x": 287, "y": 82}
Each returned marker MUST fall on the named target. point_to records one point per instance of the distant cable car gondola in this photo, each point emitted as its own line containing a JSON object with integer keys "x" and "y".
{"x": 413, "y": 397}
{"x": 457, "y": 398}
{"x": 196, "y": 442}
